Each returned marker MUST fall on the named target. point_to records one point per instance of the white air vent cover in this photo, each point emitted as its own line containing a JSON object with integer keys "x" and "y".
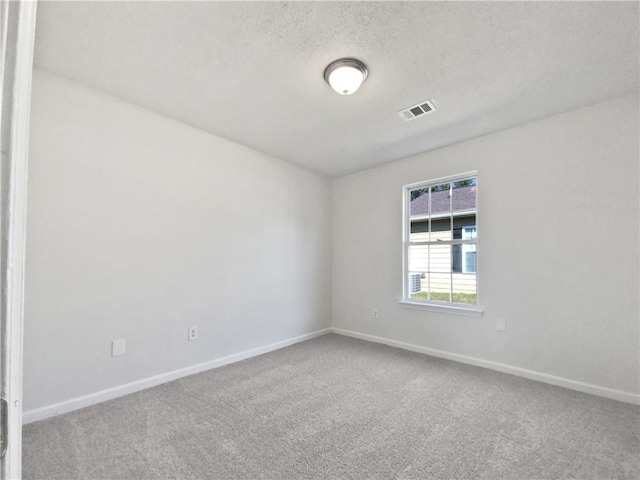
{"x": 417, "y": 110}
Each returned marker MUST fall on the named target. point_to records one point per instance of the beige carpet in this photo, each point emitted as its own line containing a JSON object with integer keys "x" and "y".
{"x": 336, "y": 407}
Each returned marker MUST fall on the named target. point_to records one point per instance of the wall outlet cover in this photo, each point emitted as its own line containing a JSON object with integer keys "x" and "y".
{"x": 118, "y": 347}
{"x": 501, "y": 324}
{"x": 192, "y": 333}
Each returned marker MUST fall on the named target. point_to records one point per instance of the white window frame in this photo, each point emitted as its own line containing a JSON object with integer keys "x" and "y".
{"x": 442, "y": 307}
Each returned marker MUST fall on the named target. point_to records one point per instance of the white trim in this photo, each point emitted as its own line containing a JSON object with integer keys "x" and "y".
{"x": 459, "y": 213}
{"x": 448, "y": 308}
{"x": 437, "y": 181}
{"x": 121, "y": 390}
{"x": 406, "y": 225}
{"x": 456, "y": 241}
{"x": 600, "y": 391}
{"x": 18, "y": 35}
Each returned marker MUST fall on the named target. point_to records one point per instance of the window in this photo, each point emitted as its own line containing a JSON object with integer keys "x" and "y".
{"x": 441, "y": 242}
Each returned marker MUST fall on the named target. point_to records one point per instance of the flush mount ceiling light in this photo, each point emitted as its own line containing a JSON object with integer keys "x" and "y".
{"x": 346, "y": 75}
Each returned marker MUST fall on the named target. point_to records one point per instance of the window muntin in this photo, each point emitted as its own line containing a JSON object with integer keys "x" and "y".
{"x": 441, "y": 241}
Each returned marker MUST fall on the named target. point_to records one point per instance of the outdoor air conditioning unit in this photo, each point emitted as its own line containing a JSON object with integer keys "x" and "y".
{"x": 414, "y": 283}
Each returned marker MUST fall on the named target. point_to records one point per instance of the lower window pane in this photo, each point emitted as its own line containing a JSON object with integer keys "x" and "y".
{"x": 440, "y": 273}
{"x": 464, "y": 288}
{"x": 440, "y": 258}
{"x": 440, "y": 287}
{"x": 418, "y": 286}
{"x": 443, "y": 273}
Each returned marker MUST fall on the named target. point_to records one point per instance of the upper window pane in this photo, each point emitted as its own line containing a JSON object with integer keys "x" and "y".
{"x": 420, "y": 201}
{"x": 441, "y": 228}
{"x": 440, "y": 199}
{"x": 463, "y": 195}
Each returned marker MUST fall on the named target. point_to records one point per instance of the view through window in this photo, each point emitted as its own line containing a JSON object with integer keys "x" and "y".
{"x": 441, "y": 241}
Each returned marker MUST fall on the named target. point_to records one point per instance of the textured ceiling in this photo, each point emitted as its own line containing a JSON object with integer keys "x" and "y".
{"x": 252, "y": 71}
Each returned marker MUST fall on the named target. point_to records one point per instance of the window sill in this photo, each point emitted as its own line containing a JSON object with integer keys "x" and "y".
{"x": 470, "y": 311}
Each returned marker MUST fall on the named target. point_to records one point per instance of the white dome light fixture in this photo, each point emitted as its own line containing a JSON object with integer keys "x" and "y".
{"x": 346, "y": 75}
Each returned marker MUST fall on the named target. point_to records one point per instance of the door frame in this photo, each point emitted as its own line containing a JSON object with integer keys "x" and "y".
{"x": 17, "y": 32}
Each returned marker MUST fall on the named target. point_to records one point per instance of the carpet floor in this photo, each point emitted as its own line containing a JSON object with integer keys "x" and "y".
{"x": 337, "y": 407}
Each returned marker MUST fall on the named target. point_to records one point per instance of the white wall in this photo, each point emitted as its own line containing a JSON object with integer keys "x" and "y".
{"x": 140, "y": 226}
{"x": 558, "y": 230}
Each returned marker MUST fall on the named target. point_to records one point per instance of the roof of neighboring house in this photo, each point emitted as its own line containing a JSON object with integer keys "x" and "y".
{"x": 464, "y": 198}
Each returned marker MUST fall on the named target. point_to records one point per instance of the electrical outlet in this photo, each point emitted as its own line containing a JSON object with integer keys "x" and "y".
{"x": 501, "y": 324}
{"x": 192, "y": 333}
{"x": 374, "y": 314}
{"x": 118, "y": 347}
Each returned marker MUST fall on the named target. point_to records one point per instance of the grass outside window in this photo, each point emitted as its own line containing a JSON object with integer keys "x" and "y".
{"x": 466, "y": 298}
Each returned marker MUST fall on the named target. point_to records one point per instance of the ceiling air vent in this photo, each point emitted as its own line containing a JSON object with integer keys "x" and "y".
{"x": 421, "y": 108}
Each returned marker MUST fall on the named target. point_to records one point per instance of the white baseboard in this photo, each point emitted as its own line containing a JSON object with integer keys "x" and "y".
{"x": 598, "y": 390}
{"x": 121, "y": 390}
